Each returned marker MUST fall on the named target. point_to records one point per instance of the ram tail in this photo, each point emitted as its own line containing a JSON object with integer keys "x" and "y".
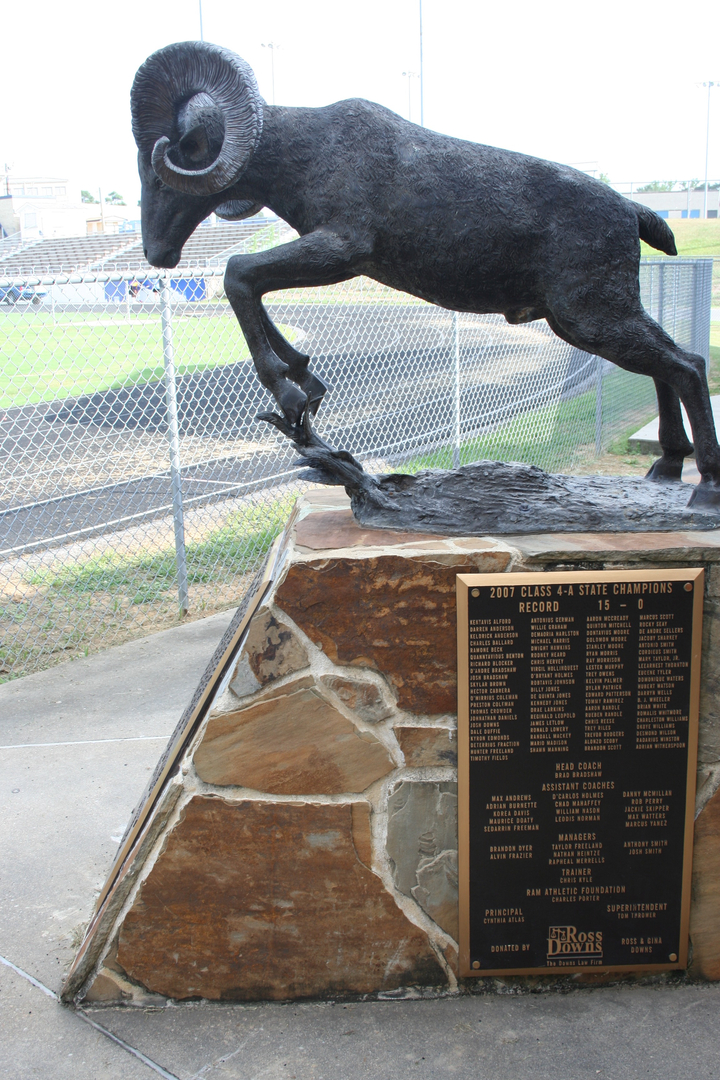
{"x": 654, "y": 231}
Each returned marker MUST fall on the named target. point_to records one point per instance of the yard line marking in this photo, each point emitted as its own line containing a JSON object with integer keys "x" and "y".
{"x": 87, "y": 742}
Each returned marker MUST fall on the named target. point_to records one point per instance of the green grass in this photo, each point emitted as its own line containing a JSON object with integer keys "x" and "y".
{"x": 628, "y": 404}
{"x": 66, "y": 611}
{"x": 557, "y": 437}
{"x": 695, "y": 239}
{"x": 235, "y": 548}
{"x": 692, "y": 238}
{"x": 714, "y": 372}
{"x": 83, "y": 354}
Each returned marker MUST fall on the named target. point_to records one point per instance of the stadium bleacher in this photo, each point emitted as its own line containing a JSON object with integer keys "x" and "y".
{"x": 68, "y": 255}
{"x": 14, "y": 243}
{"x": 210, "y": 245}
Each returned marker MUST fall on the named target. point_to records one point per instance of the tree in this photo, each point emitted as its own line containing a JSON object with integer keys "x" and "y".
{"x": 87, "y": 196}
{"x": 115, "y": 199}
{"x": 658, "y": 185}
{"x": 604, "y": 177}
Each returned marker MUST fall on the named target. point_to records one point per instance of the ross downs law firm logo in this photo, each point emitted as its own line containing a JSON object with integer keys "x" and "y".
{"x": 567, "y": 943}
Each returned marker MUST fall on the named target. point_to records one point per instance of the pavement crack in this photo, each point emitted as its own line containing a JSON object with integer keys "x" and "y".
{"x": 126, "y": 1046}
{"x": 30, "y": 978}
{"x": 98, "y": 1027}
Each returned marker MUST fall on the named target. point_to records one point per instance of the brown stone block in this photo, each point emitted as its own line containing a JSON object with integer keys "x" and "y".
{"x": 258, "y": 900}
{"x": 712, "y": 580}
{"x": 709, "y": 745}
{"x": 271, "y": 651}
{"x": 705, "y": 907}
{"x": 424, "y": 746}
{"x": 686, "y": 547}
{"x": 291, "y": 744}
{"x": 362, "y": 833}
{"x": 363, "y": 698}
{"x": 393, "y": 614}
{"x": 450, "y": 952}
{"x": 107, "y": 987}
{"x": 334, "y": 529}
{"x": 324, "y": 497}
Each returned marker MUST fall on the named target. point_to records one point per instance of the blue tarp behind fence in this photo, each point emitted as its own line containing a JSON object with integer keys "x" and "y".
{"x": 189, "y": 288}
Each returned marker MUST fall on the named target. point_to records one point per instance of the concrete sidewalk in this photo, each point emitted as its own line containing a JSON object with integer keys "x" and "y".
{"x": 646, "y": 441}
{"x": 76, "y": 746}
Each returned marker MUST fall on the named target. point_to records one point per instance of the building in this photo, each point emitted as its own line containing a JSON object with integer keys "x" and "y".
{"x": 112, "y": 220}
{"x": 679, "y": 204}
{"x": 40, "y": 207}
{"x": 50, "y": 208}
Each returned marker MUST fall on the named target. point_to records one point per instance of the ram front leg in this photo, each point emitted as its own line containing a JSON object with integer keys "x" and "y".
{"x": 321, "y": 258}
{"x": 298, "y": 364}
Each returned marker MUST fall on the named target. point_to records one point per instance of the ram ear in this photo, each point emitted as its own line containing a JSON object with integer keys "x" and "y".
{"x": 195, "y": 145}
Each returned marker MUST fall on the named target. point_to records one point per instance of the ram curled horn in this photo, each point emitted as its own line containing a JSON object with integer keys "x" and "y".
{"x": 197, "y": 112}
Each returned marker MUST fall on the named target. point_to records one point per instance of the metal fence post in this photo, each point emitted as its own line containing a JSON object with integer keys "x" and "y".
{"x": 598, "y": 405}
{"x": 174, "y": 444}
{"x": 701, "y": 307}
{"x": 456, "y": 351}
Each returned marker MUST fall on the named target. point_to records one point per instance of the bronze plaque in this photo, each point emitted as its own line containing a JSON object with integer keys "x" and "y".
{"x": 577, "y": 739}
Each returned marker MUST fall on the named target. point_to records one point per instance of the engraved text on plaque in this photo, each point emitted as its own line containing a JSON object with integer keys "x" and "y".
{"x": 578, "y": 702}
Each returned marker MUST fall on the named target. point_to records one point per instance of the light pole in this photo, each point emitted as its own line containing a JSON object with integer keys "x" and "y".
{"x": 410, "y": 75}
{"x": 422, "y": 109}
{"x": 707, "y": 145}
{"x": 272, "y": 46}
{"x": 201, "y": 25}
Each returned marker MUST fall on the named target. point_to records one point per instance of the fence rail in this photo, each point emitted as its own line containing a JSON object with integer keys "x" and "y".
{"x": 135, "y": 479}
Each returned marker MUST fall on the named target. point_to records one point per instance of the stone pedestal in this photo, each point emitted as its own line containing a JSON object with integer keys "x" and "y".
{"x": 308, "y": 846}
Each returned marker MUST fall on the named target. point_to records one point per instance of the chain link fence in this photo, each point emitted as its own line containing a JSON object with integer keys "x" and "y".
{"x": 136, "y": 480}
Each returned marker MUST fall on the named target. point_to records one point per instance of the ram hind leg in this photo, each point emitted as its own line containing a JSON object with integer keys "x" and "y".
{"x": 635, "y": 342}
{"x": 674, "y": 443}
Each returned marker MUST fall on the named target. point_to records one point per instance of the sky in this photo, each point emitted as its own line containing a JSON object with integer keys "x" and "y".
{"x": 614, "y": 86}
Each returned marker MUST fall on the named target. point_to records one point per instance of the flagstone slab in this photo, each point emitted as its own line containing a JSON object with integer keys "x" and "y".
{"x": 428, "y": 746}
{"x": 293, "y": 744}
{"x": 705, "y": 908}
{"x": 392, "y": 614}
{"x": 266, "y": 900}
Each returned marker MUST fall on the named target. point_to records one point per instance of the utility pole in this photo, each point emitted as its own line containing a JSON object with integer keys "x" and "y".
{"x": 410, "y": 75}
{"x": 707, "y": 145}
{"x": 271, "y": 45}
{"x": 422, "y": 104}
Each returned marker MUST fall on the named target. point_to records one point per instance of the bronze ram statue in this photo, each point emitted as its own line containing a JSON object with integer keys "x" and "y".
{"x": 468, "y": 227}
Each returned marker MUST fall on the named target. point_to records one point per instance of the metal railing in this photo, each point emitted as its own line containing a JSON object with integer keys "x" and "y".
{"x": 135, "y": 479}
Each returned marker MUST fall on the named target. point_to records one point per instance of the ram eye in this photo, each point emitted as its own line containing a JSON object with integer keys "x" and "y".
{"x": 158, "y": 184}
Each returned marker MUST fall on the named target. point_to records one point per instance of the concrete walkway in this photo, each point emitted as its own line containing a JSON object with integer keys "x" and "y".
{"x": 645, "y": 441}
{"x": 76, "y": 746}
